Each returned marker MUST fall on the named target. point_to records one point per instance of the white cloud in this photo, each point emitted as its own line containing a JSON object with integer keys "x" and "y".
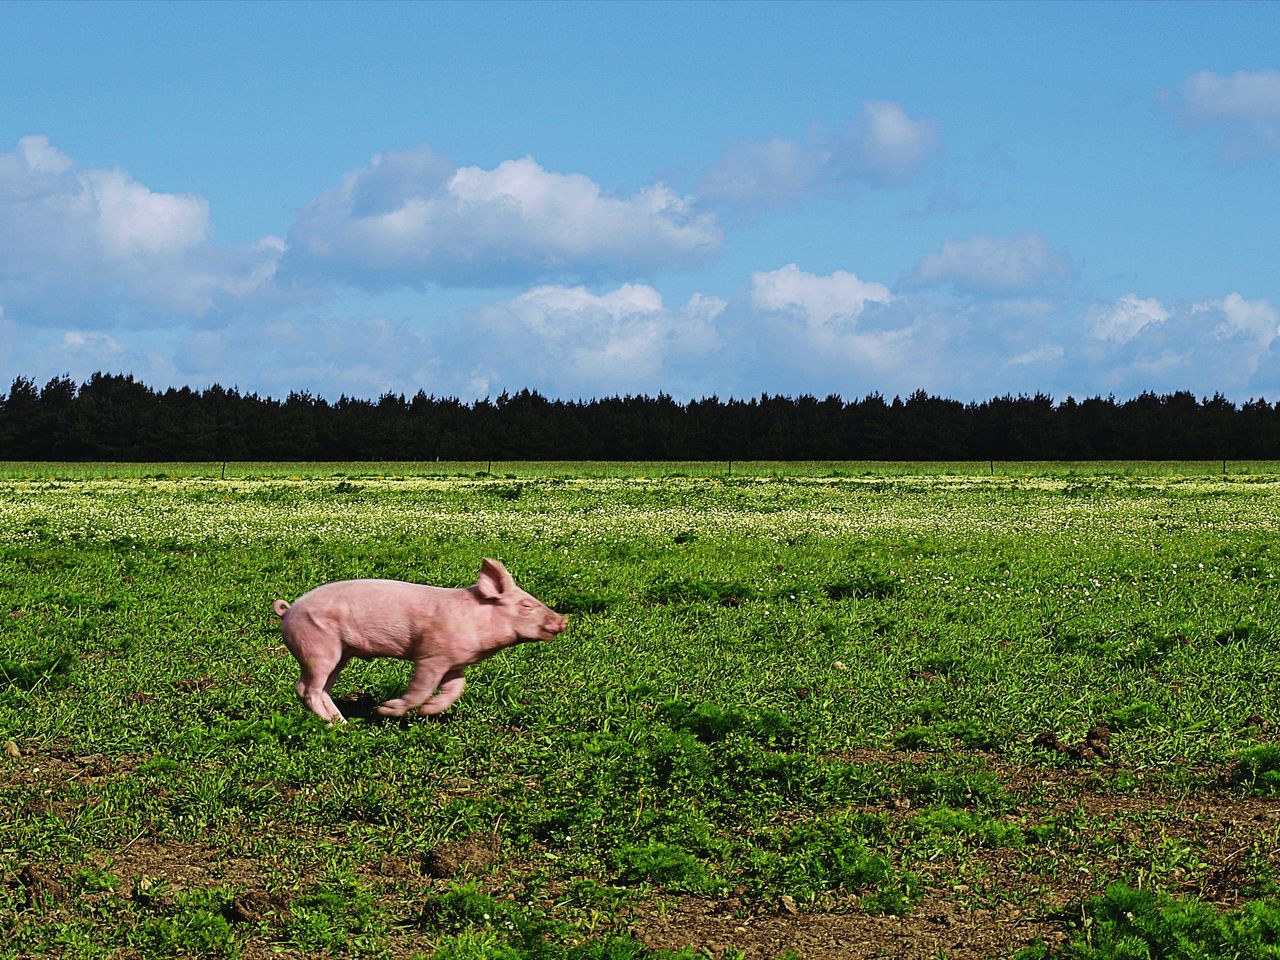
{"x": 570, "y": 341}
{"x": 133, "y": 222}
{"x": 1244, "y": 106}
{"x": 1046, "y": 353}
{"x": 805, "y": 333}
{"x": 882, "y": 146}
{"x": 1223, "y": 345}
{"x": 96, "y": 245}
{"x": 1125, "y": 318}
{"x": 1209, "y": 96}
{"x": 885, "y": 145}
{"x": 413, "y": 218}
{"x": 783, "y": 330}
{"x": 801, "y": 332}
{"x": 993, "y": 265}
{"x": 839, "y": 295}
{"x": 102, "y": 347}
{"x": 1256, "y": 319}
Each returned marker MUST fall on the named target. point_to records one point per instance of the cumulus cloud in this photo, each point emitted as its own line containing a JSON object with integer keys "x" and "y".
{"x": 819, "y": 299}
{"x": 1255, "y": 319}
{"x": 1123, "y": 319}
{"x": 413, "y": 218}
{"x": 882, "y": 146}
{"x": 800, "y": 332}
{"x": 96, "y": 245}
{"x": 101, "y": 350}
{"x": 1222, "y": 344}
{"x": 1243, "y": 107}
{"x": 820, "y": 333}
{"x": 885, "y": 145}
{"x": 569, "y": 341}
{"x": 993, "y": 265}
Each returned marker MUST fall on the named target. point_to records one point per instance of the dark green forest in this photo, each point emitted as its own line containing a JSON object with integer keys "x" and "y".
{"x": 115, "y": 417}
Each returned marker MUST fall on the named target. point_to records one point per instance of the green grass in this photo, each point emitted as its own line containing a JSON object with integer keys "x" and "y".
{"x": 818, "y": 688}
{"x": 1129, "y": 924}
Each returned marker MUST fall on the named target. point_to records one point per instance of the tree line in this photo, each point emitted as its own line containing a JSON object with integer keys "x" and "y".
{"x": 115, "y": 417}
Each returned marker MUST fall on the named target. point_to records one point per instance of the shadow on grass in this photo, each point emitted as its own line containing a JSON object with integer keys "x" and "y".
{"x": 364, "y": 707}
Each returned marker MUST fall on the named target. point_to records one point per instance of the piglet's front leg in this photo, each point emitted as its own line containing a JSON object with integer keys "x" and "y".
{"x": 427, "y": 674}
{"x": 451, "y": 686}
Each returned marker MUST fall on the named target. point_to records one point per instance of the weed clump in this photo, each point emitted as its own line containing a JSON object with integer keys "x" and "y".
{"x": 957, "y": 788}
{"x": 711, "y": 723}
{"x": 1138, "y": 714}
{"x": 336, "y": 913}
{"x": 675, "y": 590}
{"x": 941, "y": 736}
{"x": 275, "y": 728}
{"x": 941, "y": 823}
{"x": 50, "y": 672}
{"x": 864, "y": 584}
{"x": 459, "y": 908}
{"x": 195, "y": 924}
{"x": 1129, "y": 924}
{"x": 827, "y": 855}
{"x": 1258, "y": 769}
{"x": 576, "y": 601}
{"x": 1240, "y": 634}
{"x": 664, "y": 864}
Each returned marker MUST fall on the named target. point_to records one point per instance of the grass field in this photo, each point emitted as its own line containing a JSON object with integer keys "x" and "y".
{"x": 842, "y": 710}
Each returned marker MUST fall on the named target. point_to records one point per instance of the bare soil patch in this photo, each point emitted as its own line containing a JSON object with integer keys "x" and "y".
{"x": 936, "y": 924}
{"x": 455, "y": 858}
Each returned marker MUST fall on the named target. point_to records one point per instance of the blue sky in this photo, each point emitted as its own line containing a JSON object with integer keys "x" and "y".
{"x": 592, "y": 199}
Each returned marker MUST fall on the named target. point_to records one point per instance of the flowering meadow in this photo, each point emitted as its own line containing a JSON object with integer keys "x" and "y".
{"x": 825, "y": 710}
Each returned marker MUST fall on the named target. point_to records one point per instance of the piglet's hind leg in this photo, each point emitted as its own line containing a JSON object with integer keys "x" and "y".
{"x": 313, "y": 691}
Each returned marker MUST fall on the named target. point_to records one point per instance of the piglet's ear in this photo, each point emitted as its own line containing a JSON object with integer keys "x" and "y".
{"x": 494, "y": 580}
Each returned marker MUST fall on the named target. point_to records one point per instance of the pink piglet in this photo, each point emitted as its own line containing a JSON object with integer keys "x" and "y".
{"x": 442, "y": 630}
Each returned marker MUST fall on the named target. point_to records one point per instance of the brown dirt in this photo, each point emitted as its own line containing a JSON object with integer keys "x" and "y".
{"x": 41, "y": 885}
{"x": 1095, "y": 745}
{"x": 473, "y": 854}
{"x": 253, "y": 906}
{"x": 935, "y": 925}
{"x": 181, "y": 866}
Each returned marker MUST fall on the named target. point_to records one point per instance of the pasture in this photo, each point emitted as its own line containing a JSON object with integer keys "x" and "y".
{"x": 821, "y": 710}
